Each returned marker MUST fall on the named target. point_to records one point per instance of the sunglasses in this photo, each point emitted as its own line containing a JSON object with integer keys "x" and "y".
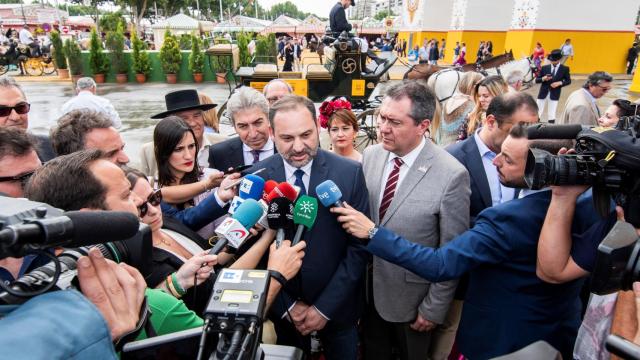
{"x": 154, "y": 199}
{"x": 22, "y": 178}
{"x": 20, "y": 108}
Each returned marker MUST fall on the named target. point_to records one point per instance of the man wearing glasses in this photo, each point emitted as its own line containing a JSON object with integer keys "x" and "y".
{"x": 581, "y": 107}
{"x": 14, "y": 112}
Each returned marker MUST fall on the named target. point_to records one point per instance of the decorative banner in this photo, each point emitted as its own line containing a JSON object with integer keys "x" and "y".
{"x": 458, "y": 14}
{"x": 412, "y": 13}
{"x": 525, "y": 14}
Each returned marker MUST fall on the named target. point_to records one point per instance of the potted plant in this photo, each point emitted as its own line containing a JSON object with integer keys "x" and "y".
{"x": 59, "y": 59}
{"x": 141, "y": 61}
{"x": 97, "y": 58}
{"x": 115, "y": 44}
{"x": 196, "y": 60}
{"x": 170, "y": 57}
{"x": 74, "y": 58}
{"x": 221, "y": 64}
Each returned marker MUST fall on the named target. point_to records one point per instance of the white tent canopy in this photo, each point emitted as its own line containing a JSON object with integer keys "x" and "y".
{"x": 179, "y": 24}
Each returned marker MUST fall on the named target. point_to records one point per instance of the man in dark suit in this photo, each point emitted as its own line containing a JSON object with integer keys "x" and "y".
{"x": 325, "y": 296}
{"x": 338, "y": 18}
{"x": 552, "y": 77}
{"x": 14, "y": 112}
{"x": 248, "y": 110}
{"x": 507, "y": 306}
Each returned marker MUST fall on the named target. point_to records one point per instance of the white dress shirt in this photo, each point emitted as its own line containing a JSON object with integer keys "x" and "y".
{"x": 87, "y": 100}
{"x": 408, "y": 160}
{"x": 499, "y": 192}
{"x": 25, "y": 36}
{"x": 291, "y": 177}
{"x": 203, "y": 153}
{"x": 266, "y": 151}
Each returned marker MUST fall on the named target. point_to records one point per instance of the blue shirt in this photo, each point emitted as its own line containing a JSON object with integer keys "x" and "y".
{"x": 499, "y": 192}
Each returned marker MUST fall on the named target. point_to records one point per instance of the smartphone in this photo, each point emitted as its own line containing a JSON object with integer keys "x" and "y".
{"x": 240, "y": 168}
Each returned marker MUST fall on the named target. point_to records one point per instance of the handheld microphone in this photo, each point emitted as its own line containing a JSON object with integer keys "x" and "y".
{"x": 280, "y": 217}
{"x": 545, "y": 131}
{"x": 235, "y": 230}
{"x": 304, "y": 215}
{"x": 284, "y": 189}
{"x": 251, "y": 187}
{"x": 269, "y": 185}
{"x": 329, "y": 194}
{"x": 72, "y": 229}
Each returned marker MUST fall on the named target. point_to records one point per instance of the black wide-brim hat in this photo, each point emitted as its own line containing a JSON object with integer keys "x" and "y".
{"x": 182, "y": 100}
{"x": 555, "y": 55}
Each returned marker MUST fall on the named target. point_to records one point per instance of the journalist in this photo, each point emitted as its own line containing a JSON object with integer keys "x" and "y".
{"x": 505, "y": 297}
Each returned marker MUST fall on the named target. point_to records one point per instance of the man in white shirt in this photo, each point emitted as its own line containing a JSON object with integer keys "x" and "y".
{"x": 25, "y": 35}
{"x": 87, "y": 99}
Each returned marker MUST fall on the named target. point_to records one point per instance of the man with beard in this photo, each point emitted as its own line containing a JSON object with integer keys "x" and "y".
{"x": 324, "y": 296}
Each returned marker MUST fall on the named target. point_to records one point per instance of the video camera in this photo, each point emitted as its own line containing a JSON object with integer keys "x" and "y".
{"x": 28, "y": 227}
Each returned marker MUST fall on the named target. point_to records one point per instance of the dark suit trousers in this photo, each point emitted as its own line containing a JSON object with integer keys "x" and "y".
{"x": 385, "y": 340}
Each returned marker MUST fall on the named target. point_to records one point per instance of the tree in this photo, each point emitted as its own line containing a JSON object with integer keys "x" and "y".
{"x": 170, "y": 55}
{"x": 98, "y": 60}
{"x": 115, "y": 44}
{"x": 58, "y": 50}
{"x": 110, "y": 21}
{"x": 141, "y": 61}
{"x": 196, "y": 58}
{"x": 382, "y": 14}
{"x": 138, "y": 9}
{"x": 286, "y": 8}
{"x": 74, "y": 56}
{"x": 243, "y": 40}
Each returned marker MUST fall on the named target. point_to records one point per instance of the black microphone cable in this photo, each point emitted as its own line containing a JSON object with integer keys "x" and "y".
{"x": 235, "y": 341}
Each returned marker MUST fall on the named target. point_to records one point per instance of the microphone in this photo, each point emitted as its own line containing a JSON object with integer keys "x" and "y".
{"x": 545, "y": 131}
{"x": 284, "y": 189}
{"x": 329, "y": 194}
{"x": 304, "y": 215}
{"x": 72, "y": 229}
{"x": 269, "y": 185}
{"x": 235, "y": 230}
{"x": 280, "y": 217}
{"x": 251, "y": 187}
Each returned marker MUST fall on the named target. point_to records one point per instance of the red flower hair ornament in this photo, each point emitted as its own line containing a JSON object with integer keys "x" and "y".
{"x": 328, "y": 108}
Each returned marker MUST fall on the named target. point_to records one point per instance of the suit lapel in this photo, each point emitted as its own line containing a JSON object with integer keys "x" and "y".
{"x": 417, "y": 171}
{"x": 319, "y": 171}
{"x": 376, "y": 173}
{"x": 236, "y": 156}
{"x": 476, "y": 171}
{"x": 276, "y": 169}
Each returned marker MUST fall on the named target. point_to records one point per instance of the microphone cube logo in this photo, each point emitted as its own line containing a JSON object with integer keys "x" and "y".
{"x": 245, "y": 185}
{"x": 323, "y": 196}
{"x": 273, "y": 207}
{"x": 334, "y": 188}
{"x": 307, "y": 207}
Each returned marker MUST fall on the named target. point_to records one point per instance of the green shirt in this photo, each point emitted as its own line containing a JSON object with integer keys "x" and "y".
{"x": 169, "y": 314}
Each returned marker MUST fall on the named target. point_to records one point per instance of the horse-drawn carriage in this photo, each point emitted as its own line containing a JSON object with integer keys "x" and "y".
{"x": 34, "y": 60}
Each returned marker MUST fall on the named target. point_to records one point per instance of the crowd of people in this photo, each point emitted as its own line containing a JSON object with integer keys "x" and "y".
{"x": 434, "y": 254}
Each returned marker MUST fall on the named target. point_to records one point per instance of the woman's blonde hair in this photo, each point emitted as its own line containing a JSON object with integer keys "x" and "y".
{"x": 210, "y": 116}
{"x": 496, "y": 85}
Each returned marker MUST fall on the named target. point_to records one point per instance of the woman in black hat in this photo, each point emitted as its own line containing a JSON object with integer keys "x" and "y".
{"x": 552, "y": 78}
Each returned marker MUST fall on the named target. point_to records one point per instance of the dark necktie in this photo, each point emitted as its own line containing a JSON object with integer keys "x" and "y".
{"x": 256, "y": 155}
{"x": 390, "y": 187}
{"x": 299, "y": 183}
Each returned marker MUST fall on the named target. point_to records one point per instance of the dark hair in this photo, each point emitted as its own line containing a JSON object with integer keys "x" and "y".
{"x": 346, "y": 116}
{"x": 423, "y": 101}
{"x": 66, "y": 182}
{"x": 625, "y": 107}
{"x": 290, "y": 102}
{"x": 166, "y": 136}
{"x": 518, "y": 131}
{"x": 133, "y": 175}
{"x": 15, "y": 142}
{"x": 595, "y": 78}
{"x": 68, "y": 137}
{"x": 504, "y": 106}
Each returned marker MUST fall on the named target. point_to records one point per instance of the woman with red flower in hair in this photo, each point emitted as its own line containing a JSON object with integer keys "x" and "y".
{"x": 336, "y": 116}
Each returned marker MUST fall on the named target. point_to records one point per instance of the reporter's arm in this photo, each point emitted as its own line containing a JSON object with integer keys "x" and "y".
{"x": 181, "y": 193}
{"x": 251, "y": 258}
{"x": 287, "y": 260}
{"x": 554, "y": 262}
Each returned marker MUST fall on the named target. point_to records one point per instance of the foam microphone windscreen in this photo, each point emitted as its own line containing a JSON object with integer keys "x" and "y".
{"x": 283, "y": 189}
{"x": 96, "y": 227}
{"x": 269, "y": 185}
{"x": 248, "y": 213}
{"x": 545, "y": 131}
{"x": 280, "y": 213}
{"x": 329, "y": 194}
{"x": 251, "y": 187}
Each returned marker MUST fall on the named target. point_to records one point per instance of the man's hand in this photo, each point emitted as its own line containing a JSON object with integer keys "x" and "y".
{"x": 199, "y": 266}
{"x": 286, "y": 259}
{"x": 636, "y": 291}
{"x": 353, "y": 221}
{"x": 298, "y": 313}
{"x": 313, "y": 321}
{"x": 569, "y": 193}
{"x": 214, "y": 180}
{"x": 422, "y": 325}
{"x": 227, "y": 195}
{"x": 556, "y": 84}
{"x": 117, "y": 290}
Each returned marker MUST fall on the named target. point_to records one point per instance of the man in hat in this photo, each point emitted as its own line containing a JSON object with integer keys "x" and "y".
{"x": 186, "y": 105}
{"x": 553, "y": 77}
{"x": 338, "y": 18}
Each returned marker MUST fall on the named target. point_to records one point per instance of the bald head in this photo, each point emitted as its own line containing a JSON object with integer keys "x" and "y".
{"x": 276, "y": 89}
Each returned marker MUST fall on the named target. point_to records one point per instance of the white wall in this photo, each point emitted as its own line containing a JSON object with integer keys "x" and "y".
{"x": 592, "y": 15}
{"x": 436, "y": 14}
{"x": 489, "y": 15}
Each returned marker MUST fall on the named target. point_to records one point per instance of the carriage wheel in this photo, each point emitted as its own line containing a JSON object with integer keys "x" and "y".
{"x": 4, "y": 69}
{"x": 48, "y": 67}
{"x": 33, "y": 67}
{"x": 367, "y": 134}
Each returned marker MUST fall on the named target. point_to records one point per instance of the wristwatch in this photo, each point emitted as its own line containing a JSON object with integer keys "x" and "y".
{"x": 372, "y": 232}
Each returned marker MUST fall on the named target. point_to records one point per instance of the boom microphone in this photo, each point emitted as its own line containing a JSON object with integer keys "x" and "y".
{"x": 235, "y": 230}
{"x": 545, "y": 131}
{"x": 72, "y": 229}
{"x": 329, "y": 194}
{"x": 304, "y": 215}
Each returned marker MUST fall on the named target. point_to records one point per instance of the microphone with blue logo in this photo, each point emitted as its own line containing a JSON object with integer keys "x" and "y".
{"x": 329, "y": 194}
{"x": 235, "y": 230}
{"x": 251, "y": 187}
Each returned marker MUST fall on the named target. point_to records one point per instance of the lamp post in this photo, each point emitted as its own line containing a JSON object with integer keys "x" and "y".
{"x": 221, "y": 18}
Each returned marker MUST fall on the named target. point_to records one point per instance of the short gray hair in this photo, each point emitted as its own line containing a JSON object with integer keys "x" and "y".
{"x": 514, "y": 76}
{"x": 597, "y": 77}
{"x": 246, "y": 98}
{"x": 266, "y": 87}
{"x": 7, "y": 81}
{"x": 85, "y": 83}
{"x": 423, "y": 100}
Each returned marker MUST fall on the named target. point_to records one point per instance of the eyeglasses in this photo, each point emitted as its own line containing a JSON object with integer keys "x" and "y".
{"x": 21, "y": 108}
{"x": 22, "y": 178}
{"x": 154, "y": 199}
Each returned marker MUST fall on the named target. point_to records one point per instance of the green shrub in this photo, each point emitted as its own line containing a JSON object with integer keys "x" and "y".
{"x": 74, "y": 56}
{"x": 185, "y": 42}
{"x": 196, "y": 58}
{"x": 141, "y": 61}
{"x": 58, "y": 50}
{"x": 170, "y": 56}
{"x": 243, "y": 40}
{"x": 98, "y": 60}
{"x": 115, "y": 44}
